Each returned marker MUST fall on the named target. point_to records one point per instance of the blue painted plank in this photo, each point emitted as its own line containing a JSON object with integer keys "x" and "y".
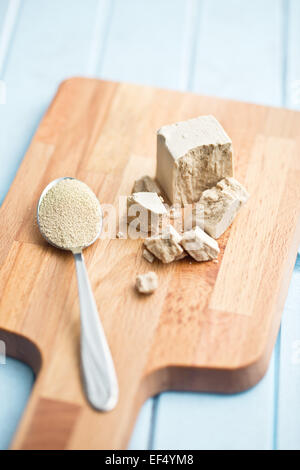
{"x": 3, "y": 8}
{"x": 3, "y": 41}
{"x": 293, "y": 56}
{"x": 142, "y": 431}
{"x": 239, "y": 53}
{"x": 288, "y": 415}
{"x": 148, "y": 42}
{"x": 8, "y": 29}
{"x": 16, "y": 381}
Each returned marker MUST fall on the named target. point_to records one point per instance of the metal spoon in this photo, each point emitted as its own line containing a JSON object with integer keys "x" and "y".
{"x": 100, "y": 380}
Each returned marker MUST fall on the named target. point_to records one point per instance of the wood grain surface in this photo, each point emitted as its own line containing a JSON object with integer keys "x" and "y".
{"x": 208, "y": 327}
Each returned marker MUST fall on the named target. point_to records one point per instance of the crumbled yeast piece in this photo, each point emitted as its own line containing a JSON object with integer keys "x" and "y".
{"x": 147, "y": 210}
{"x": 165, "y": 247}
{"x": 192, "y": 156}
{"x": 199, "y": 245}
{"x": 146, "y": 184}
{"x": 148, "y": 256}
{"x": 221, "y": 204}
{"x": 146, "y": 283}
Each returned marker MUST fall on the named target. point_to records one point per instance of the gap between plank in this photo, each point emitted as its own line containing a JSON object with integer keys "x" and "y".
{"x": 101, "y": 28}
{"x": 285, "y": 10}
{"x": 10, "y": 21}
{"x": 154, "y": 411}
{"x": 189, "y": 53}
{"x": 276, "y": 389}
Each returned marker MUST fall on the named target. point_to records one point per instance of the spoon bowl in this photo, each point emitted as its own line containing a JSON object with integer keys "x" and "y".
{"x": 43, "y": 194}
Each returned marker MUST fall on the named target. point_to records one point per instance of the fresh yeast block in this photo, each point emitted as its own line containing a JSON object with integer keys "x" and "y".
{"x": 192, "y": 156}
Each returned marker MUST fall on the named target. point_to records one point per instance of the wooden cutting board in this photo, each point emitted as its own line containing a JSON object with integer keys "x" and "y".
{"x": 208, "y": 327}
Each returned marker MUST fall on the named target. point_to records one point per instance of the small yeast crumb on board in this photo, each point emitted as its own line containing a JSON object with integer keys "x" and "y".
{"x": 146, "y": 283}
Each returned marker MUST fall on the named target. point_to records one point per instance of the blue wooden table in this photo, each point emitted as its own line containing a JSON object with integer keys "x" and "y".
{"x": 246, "y": 50}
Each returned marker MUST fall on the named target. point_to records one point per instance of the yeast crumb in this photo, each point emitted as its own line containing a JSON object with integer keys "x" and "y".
{"x": 146, "y": 283}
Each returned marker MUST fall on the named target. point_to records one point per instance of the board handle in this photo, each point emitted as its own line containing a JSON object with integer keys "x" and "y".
{"x": 98, "y": 371}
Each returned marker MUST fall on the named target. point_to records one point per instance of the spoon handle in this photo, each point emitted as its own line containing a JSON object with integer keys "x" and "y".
{"x": 98, "y": 369}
